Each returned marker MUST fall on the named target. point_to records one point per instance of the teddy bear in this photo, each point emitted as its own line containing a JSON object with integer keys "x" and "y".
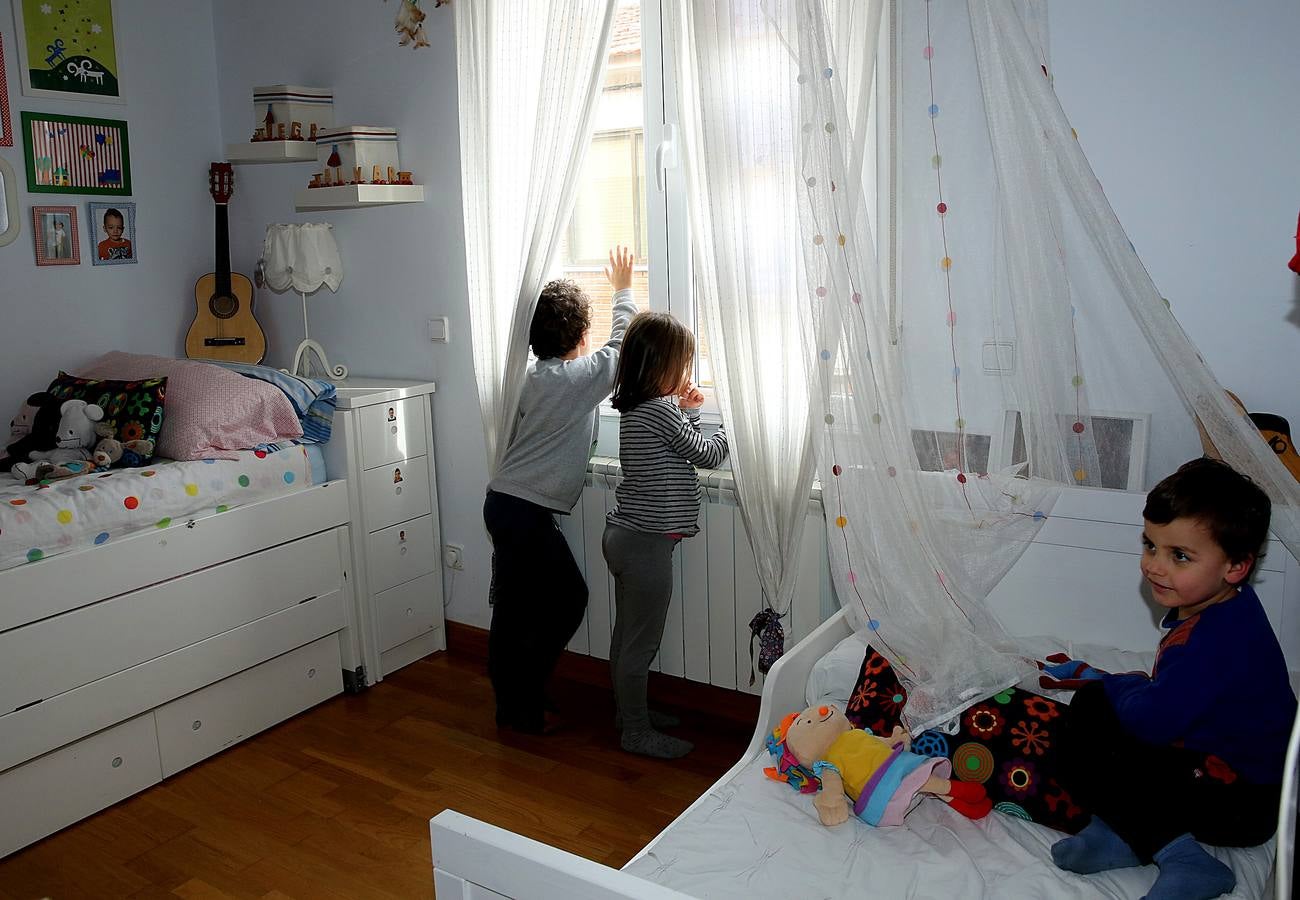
{"x": 32, "y": 429}
{"x": 852, "y": 770}
{"x": 74, "y": 436}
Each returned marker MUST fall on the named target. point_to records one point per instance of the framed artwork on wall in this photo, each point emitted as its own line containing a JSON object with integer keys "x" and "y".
{"x": 6, "y": 125}
{"x": 54, "y": 231}
{"x": 67, "y": 49}
{"x": 9, "y": 221}
{"x": 76, "y": 155}
{"x": 112, "y": 229}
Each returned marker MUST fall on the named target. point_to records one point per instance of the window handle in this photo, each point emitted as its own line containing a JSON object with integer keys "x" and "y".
{"x": 665, "y": 157}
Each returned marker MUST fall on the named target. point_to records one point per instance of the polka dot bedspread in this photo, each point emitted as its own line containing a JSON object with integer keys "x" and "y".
{"x": 40, "y": 521}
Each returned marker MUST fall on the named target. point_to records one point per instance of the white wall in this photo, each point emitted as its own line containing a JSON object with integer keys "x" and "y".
{"x": 61, "y": 316}
{"x": 402, "y": 264}
{"x": 1187, "y": 111}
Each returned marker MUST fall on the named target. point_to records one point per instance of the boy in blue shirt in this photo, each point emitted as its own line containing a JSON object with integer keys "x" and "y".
{"x": 1195, "y": 750}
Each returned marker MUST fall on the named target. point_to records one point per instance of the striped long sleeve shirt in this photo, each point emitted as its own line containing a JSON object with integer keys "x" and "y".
{"x": 659, "y": 447}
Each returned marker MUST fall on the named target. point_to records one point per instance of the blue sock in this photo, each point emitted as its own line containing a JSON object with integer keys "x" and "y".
{"x": 1187, "y": 872}
{"x": 1095, "y": 849}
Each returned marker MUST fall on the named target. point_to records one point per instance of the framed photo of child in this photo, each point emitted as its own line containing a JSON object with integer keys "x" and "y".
{"x": 6, "y": 125}
{"x": 67, "y": 49}
{"x": 54, "y": 230}
{"x": 113, "y": 227}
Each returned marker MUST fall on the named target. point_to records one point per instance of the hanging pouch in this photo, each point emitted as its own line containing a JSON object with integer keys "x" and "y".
{"x": 765, "y": 628}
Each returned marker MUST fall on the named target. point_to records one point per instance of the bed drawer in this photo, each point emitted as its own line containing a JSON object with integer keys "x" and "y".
{"x": 208, "y": 721}
{"x": 57, "y": 789}
{"x": 404, "y": 612}
{"x": 392, "y": 431}
{"x": 397, "y": 492}
{"x": 401, "y": 553}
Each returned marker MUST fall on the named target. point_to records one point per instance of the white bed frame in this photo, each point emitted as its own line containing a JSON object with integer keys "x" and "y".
{"x": 1084, "y": 558}
{"x": 123, "y": 664}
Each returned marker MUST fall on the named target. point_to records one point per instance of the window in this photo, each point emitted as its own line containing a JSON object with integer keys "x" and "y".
{"x": 1120, "y": 439}
{"x": 625, "y": 196}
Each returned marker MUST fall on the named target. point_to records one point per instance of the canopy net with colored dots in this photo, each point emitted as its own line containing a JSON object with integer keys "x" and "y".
{"x": 977, "y": 333}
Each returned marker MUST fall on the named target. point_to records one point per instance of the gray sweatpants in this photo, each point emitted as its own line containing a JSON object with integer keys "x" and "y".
{"x": 642, "y": 566}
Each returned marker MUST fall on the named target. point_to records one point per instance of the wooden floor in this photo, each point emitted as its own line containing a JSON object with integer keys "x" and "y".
{"x": 335, "y": 803}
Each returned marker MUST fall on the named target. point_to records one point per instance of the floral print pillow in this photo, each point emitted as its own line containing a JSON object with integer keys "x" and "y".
{"x": 134, "y": 409}
{"x": 1007, "y": 742}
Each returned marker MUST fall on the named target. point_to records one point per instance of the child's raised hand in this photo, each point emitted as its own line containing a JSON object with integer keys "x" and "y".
{"x": 619, "y": 270}
{"x": 690, "y": 397}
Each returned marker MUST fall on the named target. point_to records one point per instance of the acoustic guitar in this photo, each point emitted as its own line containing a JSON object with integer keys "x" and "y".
{"x": 223, "y": 326}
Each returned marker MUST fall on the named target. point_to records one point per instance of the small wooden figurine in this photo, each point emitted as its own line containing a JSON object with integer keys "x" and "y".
{"x": 260, "y": 134}
{"x": 327, "y": 182}
{"x": 279, "y": 131}
{"x": 295, "y": 131}
{"x": 315, "y": 181}
{"x": 335, "y": 162}
{"x": 356, "y": 175}
{"x": 313, "y": 132}
{"x": 392, "y": 175}
{"x": 376, "y": 177}
{"x": 404, "y": 178}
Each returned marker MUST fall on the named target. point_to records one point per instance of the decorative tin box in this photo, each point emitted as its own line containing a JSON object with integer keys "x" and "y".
{"x": 289, "y": 103}
{"x": 350, "y": 146}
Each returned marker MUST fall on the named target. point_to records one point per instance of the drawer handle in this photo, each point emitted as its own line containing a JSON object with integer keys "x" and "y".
{"x": 198, "y": 723}
{"x": 311, "y": 673}
{"x": 117, "y": 762}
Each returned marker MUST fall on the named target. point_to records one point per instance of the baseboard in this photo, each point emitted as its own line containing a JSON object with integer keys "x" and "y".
{"x": 471, "y": 642}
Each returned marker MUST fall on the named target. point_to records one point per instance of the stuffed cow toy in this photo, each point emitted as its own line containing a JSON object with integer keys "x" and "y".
{"x": 818, "y": 751}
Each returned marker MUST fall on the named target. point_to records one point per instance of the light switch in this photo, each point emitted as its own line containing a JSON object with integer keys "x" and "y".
{"x": 439, "y": 329}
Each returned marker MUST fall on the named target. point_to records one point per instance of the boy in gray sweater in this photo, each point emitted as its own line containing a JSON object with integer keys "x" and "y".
{"x": 539, "y": 593}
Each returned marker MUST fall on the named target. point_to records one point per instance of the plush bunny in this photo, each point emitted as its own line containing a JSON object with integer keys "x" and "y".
{"x": 74, "y": 437}
{"x": 850, "y": 769}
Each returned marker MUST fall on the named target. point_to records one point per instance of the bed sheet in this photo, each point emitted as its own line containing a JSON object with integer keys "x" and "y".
{"x": 41, "y": 521}
{"x": 755, "y": 838}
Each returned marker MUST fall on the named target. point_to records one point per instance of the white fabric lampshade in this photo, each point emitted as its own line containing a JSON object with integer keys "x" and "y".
{"x": 303, "y": 257}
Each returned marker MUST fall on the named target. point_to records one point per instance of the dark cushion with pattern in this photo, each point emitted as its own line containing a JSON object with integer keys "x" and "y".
{"x": 1007, "y": 742}
{"x": 133, "y": 408}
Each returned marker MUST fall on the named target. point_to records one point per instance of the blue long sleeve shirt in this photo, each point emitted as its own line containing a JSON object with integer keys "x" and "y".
{"x": 1219, "y": 686}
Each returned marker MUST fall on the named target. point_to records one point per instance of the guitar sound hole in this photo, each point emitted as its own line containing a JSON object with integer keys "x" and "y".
{"x": 223, "y": 307}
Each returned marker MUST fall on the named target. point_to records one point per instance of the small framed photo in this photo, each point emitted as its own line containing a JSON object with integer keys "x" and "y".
{"x": 76, "y": 155}
{"x": 6, "y": 125}
{"x": 54, "y": 229}
{"x": 113, "y": 228}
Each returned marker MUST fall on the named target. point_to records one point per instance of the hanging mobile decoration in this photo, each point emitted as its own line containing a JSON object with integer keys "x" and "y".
{"x": 410, "y": 22}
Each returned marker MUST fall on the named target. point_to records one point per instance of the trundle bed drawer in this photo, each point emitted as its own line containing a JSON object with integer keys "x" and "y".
{"x": 392, "y": 431}
{"x": 208, "y": 721}
{"x": 54, "y": 790}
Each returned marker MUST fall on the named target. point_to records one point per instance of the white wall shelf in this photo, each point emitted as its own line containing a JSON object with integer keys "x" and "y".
{"x": 272, "y": 152}
{"x": 349, "y": 196}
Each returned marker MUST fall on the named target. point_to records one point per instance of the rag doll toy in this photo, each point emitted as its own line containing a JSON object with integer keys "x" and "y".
{"x": 818, "y": 751}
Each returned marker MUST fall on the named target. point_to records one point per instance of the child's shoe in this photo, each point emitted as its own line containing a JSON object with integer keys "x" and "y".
{"x": 969, "y": 799}
{"x": 1095, "y": 849}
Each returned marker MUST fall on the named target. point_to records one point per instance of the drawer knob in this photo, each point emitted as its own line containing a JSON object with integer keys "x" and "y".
{"x": 402, "y": 552}
{"x": 117, "y": 762}
{"x": 398, "y": 490}
{"x": 410, "y": 612}
{"x": 198, "y": 723}
{"x": 393, "y": 429}
{"x": 311, "y": 673}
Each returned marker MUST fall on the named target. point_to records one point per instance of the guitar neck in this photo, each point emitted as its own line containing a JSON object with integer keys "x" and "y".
{"x": 223, "y": 251}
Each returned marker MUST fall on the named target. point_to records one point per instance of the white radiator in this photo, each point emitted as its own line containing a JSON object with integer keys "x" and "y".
{"x": 715, "y": 586}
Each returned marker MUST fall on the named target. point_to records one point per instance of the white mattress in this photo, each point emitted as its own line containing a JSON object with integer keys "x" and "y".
{"x": 753, "y": 838}
{"x": 40, "y": 521}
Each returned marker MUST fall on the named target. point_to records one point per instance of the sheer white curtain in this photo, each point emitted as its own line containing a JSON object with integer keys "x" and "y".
{"x": 529, "y": 74}
{"x": 736, "y": 111}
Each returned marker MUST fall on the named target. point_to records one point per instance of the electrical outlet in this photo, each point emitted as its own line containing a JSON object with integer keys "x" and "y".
{"x": 439, "y": 329}
{"x": 453, "y": 556}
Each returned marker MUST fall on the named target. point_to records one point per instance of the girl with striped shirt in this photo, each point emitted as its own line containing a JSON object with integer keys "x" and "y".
{"x": 658, "y": 504}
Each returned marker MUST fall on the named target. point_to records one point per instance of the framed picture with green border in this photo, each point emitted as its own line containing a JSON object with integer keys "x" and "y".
{"x": 68, "y": 49}
{"x": 76, "y": 155}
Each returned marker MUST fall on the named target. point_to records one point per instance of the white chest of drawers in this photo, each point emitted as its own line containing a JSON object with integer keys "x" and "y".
{"x": 383, "y": 446}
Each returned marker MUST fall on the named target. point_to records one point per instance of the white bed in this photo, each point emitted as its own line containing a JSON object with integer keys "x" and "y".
{"x": 125, "y": 662}
{"x": 748, "y": 837}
